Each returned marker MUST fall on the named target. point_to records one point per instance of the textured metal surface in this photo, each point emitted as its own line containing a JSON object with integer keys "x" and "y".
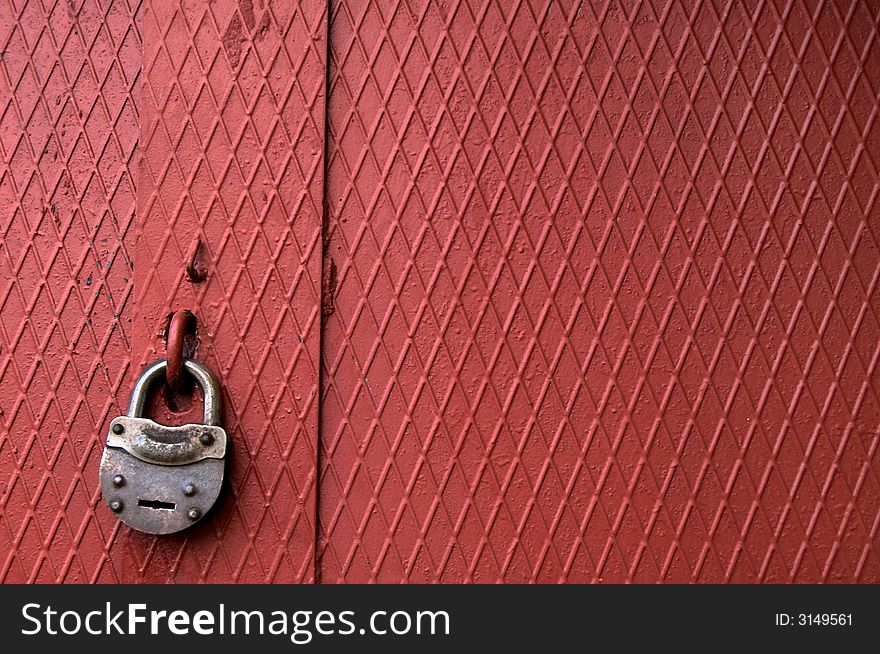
{"x": 229, "y": 183}
{"x": 604, "y": 292}
{"x": 600, "y": 285}
{"x": 229, "y": 207}
{"x": 69, "y": 88}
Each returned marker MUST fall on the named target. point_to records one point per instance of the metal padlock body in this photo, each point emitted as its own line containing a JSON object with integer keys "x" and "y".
{"x": 161, "y": 479}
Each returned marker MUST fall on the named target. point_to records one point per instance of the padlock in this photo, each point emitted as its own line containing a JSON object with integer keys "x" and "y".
{"x": 160, "y": 479}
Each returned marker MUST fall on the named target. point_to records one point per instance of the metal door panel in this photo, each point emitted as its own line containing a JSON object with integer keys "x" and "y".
{"x": 231, "y": 157}
{"x": 69, "y": 92}
{"x": 597, "y": 299}
{"x": 605, "y": 292}
{"x": 232, "y": 132}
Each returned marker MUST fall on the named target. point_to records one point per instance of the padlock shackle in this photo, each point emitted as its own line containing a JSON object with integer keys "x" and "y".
{"x": 202, "y": 374}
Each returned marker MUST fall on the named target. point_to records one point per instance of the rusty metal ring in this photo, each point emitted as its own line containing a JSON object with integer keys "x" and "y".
{"x": 182, "y": 324}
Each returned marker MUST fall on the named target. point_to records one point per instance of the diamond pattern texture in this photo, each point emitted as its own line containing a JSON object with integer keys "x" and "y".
{"x": 231, "y": 185}
{"x": 230, "y": 174}
{"x": 69, "y": 90}
{"x": 604, "y": 292}
{"x": 598, "y": 298}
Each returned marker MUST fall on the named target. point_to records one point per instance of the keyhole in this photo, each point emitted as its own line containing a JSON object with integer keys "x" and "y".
{"x": 157, "y": 504}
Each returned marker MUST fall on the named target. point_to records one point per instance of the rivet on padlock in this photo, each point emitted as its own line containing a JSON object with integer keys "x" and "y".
{"x": 158, "y": 478}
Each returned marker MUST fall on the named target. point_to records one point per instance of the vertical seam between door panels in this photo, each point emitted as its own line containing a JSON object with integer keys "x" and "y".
{"x": 326, "y": 295}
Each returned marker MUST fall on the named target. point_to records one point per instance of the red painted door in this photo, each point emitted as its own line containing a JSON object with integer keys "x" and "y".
{"x": 226, "y": 182}
{"x": 605, "y": 301}
{"x": 545, "y": 291}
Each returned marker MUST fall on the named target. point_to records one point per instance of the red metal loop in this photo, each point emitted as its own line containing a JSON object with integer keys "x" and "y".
{"x": 182, "y": 324}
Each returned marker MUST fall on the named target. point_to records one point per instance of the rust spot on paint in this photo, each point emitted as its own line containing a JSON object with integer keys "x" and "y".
{"x": 197, "y": 263}
{"x": 246, "y": 7}
{"x": 242, "y": 27}
{"x": 328, "y": 287}
{"x": 263, "y": 27}
{"x": 232, "y": 41}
